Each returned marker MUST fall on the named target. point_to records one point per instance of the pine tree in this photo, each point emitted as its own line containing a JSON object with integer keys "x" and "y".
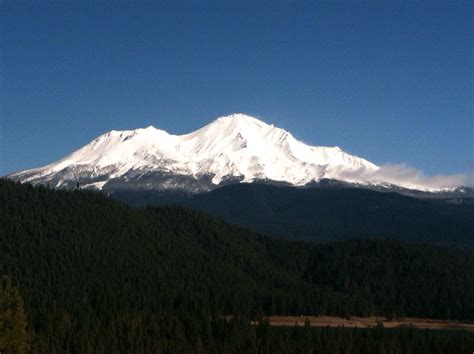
{"x": 14, "y": 337}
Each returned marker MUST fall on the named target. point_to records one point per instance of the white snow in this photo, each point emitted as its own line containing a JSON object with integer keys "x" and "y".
{"x": 94, "y": 185}
{"x": 232, "y": 146}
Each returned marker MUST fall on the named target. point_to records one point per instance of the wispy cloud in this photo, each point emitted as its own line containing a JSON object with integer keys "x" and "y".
{"x": 404, "y": 175}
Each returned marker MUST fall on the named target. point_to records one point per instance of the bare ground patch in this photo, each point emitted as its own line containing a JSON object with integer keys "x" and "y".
{"x": 368, "y": 322}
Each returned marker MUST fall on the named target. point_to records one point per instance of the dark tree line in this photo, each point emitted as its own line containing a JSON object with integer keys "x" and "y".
{"x": 99, "y": 276}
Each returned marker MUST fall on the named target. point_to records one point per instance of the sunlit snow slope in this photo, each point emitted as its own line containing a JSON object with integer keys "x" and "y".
{"x": 235, "y": 148}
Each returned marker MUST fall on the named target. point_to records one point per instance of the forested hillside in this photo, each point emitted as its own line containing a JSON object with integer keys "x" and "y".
{"x": 327, "y": 213}
{"x": 98, "y": 275}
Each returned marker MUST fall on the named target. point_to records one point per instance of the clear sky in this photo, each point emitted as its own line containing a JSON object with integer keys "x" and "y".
{"x": 388, "y": 81}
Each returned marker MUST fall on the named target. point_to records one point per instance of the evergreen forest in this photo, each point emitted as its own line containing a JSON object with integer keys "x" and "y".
{"x": 84, "y": 273}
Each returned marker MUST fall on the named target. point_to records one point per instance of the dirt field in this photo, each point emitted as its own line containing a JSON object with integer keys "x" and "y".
{"x": 366, "y": 322}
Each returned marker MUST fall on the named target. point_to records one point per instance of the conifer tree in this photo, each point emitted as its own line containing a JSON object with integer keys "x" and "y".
{"x": 14, "y": 337}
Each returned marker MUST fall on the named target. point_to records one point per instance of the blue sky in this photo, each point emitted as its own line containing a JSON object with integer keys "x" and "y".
{"x": 388, "y": 81}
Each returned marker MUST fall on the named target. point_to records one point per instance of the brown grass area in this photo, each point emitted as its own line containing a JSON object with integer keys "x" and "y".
{"x": 367, "y": 322}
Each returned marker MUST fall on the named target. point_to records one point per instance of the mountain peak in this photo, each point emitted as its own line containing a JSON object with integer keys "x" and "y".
{"x": 240, "y": 119}
{"x": 235, "y": 147}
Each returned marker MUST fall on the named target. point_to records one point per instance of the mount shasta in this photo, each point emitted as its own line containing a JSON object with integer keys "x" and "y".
{"x": 231, "y": 149}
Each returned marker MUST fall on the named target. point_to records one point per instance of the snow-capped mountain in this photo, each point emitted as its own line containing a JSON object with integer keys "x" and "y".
{"x": 234, "y": 148}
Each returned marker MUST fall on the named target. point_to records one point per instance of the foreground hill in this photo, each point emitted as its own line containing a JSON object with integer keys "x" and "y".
{"x": 329, "y": 212}
{"x": 95, "y": 273}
